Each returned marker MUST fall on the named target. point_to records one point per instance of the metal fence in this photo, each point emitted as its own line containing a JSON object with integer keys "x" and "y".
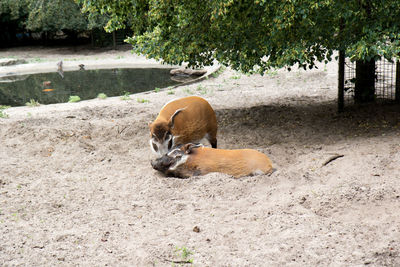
{"x": 387, "y": 81}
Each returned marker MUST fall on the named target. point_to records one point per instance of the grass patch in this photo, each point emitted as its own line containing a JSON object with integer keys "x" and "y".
{"x": 184, "y": 254}
{"x": 2, "y": 114}
{"x": 187, "y": 91}
{"x": 74, "y": 99}
{"x": 37, "y": 60}
{"x": 102, "y": 96}
{"x": 125, "y": 96}
{"x": 32, "y": 103}
{"x": 218, "y": 72}
{"x": 142, "y": 100}
{"x": 170, "y": 92}
{"x": 202, "y": 89}
{"x": 157, "y": 89}
{"x": 72, "y": 59}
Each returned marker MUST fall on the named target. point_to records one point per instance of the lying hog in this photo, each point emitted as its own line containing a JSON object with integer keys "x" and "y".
{"x": 194, "y": 159}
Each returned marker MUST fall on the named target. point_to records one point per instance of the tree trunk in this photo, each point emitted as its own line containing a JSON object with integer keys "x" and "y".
{"x": 397, "y": 92}
{"x": 114, "y": 40}
{"x": 364, "y": 90}
{"x": 92, "y": 37}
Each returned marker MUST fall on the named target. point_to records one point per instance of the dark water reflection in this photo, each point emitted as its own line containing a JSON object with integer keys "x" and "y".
{"x": 47, "y": 88}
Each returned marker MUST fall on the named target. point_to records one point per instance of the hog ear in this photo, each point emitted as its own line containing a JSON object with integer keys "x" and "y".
{"x": 172, "y": 119}
{"x": 189, "y": 147}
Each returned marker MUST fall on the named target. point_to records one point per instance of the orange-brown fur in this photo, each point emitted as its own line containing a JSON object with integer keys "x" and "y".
{"x": 191, "y": 124}
{"x": 240, "y": 162}
{"x": 203, "y": 160}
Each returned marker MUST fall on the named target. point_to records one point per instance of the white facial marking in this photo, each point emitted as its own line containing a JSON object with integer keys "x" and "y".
{"x": 170, "y": 154}
{"x": 179, "y": 163}
{"x": 173, "y": 140}
{"x": 162, "y": 148}
{"x": 155, "y": 143}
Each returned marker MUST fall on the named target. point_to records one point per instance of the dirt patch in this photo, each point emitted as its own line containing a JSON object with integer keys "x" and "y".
{"x": 77, "y": 188}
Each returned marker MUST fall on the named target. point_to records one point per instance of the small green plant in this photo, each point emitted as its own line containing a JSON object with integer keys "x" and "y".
{"x": 170, "y": 92}
{"x": 102, "y": 96}
{"x": 187, "y": 91}
{"x": 202, "y": 89}
{"x": 15, "y": 216}
{"x": 157, "y": 89}
{"x": 32, "y": 103}
{"x": 74, "y": 99}
{"x": 184, "y": 254}
{"x": 37, "y": 59}
{"x": 219, "y": 71}
{"x": 2, "y": 114}
{"x": 142, "y": 100}
{"x": 126, "y": 96}
{"x": 29, "y": 115}
{"x": 235, "y": 77}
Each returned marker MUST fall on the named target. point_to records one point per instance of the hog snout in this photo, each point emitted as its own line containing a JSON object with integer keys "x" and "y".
{"x": 162, "y": 164}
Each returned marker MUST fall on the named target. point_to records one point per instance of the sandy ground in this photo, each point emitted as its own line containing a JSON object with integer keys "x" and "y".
{"x": 77, "y": 188}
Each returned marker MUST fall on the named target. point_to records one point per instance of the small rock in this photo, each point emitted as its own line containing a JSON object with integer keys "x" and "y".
{"x": 11, "y": 61}
{"x": 196, "y": 229}
{"x": 105, "y": 237}
{"x": 187, "y": 72}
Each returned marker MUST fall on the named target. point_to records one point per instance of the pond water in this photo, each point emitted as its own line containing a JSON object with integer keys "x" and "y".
{"x": 48, "y": 88}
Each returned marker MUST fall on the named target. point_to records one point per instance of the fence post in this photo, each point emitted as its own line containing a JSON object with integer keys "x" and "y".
{"x": 341, "y": 81}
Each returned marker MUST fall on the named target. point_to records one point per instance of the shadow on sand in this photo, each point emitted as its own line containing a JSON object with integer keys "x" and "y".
{"x": 305, "y": 124}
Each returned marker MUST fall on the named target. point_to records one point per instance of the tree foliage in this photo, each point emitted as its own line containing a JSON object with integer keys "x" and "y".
{"x": 13, "y": 14}
{"x": 47, "y": 15}
{"x": 53, "y": 15}
{"x": 12, "y": 10}
{"x": 257, "y": 34}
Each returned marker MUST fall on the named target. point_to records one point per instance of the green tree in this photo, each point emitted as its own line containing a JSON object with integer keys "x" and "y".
{"x": 256, "y": 35}
{"x": 54, "y": 15}
{"x": 13, "y": 14}
{"x": 17, "y": 16}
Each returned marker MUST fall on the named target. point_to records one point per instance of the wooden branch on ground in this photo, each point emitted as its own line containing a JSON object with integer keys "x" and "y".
{"x": 332, "y": 158}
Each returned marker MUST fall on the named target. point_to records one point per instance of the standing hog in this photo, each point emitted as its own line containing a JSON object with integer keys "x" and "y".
{"x": 181, "y": 121}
